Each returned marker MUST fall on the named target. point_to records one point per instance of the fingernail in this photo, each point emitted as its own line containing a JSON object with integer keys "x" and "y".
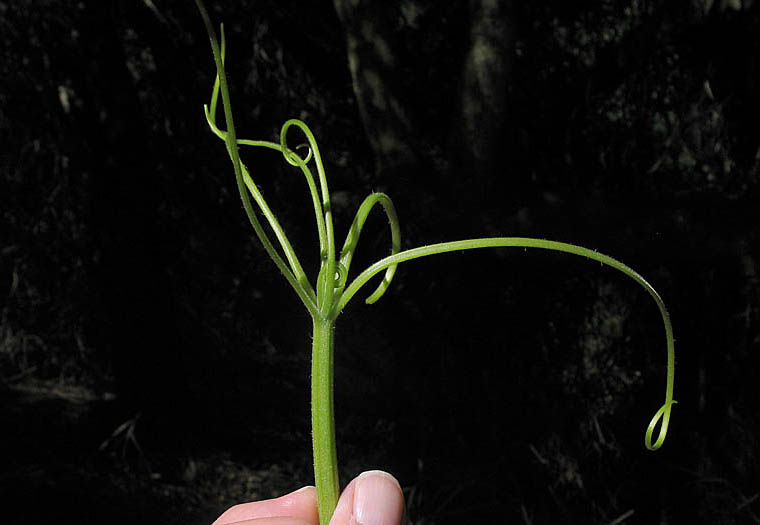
{"x": 377, "y": 499}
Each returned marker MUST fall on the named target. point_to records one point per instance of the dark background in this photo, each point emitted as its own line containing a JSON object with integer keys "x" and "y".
{"x": 154, "y": 365}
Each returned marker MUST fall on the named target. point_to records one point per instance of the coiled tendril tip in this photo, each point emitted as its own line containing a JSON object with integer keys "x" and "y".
{"x": 662, "y": 414}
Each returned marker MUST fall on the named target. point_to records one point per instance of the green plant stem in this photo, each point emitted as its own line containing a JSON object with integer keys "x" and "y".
{"x": 331, "y": 292}
{"x": 323, "y": 418}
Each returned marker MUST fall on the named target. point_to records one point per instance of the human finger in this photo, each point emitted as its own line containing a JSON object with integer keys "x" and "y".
{"x": 296, "y": 508}
{"x": 373, "y": 498}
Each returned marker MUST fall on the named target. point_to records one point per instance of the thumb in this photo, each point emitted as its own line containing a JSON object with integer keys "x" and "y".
{"x": 373, "y": 498}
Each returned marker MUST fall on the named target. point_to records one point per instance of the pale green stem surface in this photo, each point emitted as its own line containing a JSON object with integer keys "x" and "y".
{"x": 323, "y": 419}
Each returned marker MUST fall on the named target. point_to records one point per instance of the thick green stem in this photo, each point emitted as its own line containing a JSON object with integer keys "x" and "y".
{"x": 323, "y": 418}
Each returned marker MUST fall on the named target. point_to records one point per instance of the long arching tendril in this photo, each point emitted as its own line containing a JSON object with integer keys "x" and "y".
{"x": 332, "y": 290}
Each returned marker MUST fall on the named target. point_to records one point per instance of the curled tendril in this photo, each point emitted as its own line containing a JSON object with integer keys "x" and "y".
{"x": 662, "y": 414}
{"x": 290, "y": 156}
{"x": 293, "y": 158}
{"x": 352, "y": 238}
{"x": 341, "y": 273}
{"x": 309, "y": 153}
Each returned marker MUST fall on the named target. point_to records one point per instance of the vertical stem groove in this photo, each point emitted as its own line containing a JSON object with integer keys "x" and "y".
{"x": 323, "y": 418}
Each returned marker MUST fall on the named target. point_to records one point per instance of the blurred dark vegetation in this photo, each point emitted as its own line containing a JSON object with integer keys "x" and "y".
{"x": 155, "y": 366}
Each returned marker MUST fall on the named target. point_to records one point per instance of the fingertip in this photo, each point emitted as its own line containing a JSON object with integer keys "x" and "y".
{"x": 373, "y": 498}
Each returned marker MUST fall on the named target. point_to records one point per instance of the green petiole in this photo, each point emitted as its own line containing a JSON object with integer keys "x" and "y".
{"x": 332, "y": 292}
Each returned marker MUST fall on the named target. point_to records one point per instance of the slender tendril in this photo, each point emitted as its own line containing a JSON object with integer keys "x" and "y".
{"x": 349, "y": 246}
{"x": 331, "y": 293}
{"x": 663, "y": 413}
{"x": 295, "y": 274}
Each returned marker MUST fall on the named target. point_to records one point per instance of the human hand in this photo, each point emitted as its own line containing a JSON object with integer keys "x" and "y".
{"x": 372, "y": 498}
